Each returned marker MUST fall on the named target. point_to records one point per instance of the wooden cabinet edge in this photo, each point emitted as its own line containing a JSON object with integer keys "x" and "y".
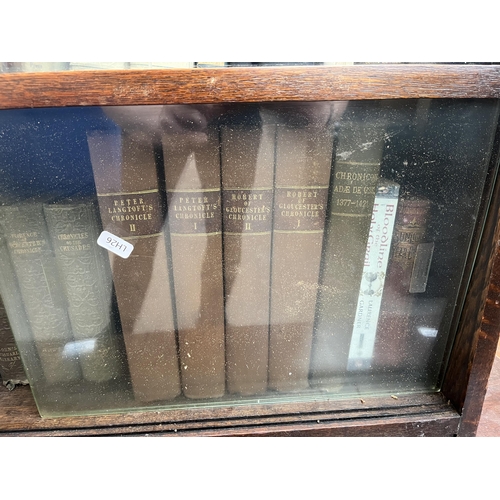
{"x": 484, "y": 353}
{"x": 474, "y": 351}
{"x": 222, "y": 85}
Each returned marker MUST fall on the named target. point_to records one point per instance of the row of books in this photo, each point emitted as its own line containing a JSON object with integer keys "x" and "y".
{"x": 30, "y": 67}
{"x": 35, "y": 67}
{"x": 260, "y": 250}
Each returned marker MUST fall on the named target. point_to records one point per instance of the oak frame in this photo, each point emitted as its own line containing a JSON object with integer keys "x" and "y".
{"x": 453, "y": 411}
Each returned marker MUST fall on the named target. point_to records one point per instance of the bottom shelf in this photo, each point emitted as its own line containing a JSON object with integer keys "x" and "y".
{"x": 407, "y": 415}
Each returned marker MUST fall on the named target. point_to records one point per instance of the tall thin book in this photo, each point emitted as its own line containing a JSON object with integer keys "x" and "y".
{"x": 247, "y": 152}
{"x": 17, "y": 335}
{"x": 131, "y": 207}
{"x": 36, "y": 271}
{"x": 303, "y": 162}
{"x": 86, "y": 278}
{"x": 358, "y": 157}
{"x": 11, "y": 366}
{"x": 193, "y": 184}
{"x": 374, "y": 273}
{"x": 394, "y": 349}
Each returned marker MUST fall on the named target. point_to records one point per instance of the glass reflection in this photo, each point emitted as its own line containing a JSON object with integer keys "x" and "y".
{"x": 281, "y": 251}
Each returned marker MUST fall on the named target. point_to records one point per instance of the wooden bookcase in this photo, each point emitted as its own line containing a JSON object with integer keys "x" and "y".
{"x": 455, "y": 410}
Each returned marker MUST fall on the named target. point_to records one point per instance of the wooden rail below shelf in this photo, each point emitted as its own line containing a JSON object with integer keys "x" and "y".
{"x": 413, "y": 415}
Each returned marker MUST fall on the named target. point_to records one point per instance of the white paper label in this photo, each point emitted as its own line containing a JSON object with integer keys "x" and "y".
{"x": 372, "y": 282}
{"x": 115, "y": 244}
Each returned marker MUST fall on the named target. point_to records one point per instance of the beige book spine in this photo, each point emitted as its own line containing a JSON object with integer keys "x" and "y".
{"x": 247, "y": 195}
{"x": 303, "y": 164}
{"x": 192, "y": 175}
{"x": 127, "y": 183}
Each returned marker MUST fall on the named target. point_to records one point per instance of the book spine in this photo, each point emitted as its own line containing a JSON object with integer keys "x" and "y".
{"x": 16, "y": 314}
{"x": 33, "y": 67}
{"x": 374, "y": 274}
{"x": 79, "y": 66}
{"x": 247, "y": 155}
{"x": 358, "y": 155}
{"x": 220, "y": 64}
{"x": 193, "y": 183}
{"x": 161, "y": 65}
{"x": 34, "y": 263}
{"x": 303, "y": 164}
{"x": 131, "y": 207}
{"x": 11, "y": 367}
{"x": 393, "y": 332}
{"x": 10, "y": 67}
{"x": 85, "y": 272}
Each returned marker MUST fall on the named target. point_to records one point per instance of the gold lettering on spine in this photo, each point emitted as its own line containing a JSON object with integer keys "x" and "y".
{"x": 137, "y": 213}
{"x": 352, "y": 190}
{"x": 300, "y": 208}
{"x": 194, "y": 212}
{"x": 409, "y": 232}
{"x": 247, "y": 210}
{"x": 29, "y": 242}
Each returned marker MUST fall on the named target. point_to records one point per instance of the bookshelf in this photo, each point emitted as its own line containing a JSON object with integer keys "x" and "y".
{"x": 468, "y": 350}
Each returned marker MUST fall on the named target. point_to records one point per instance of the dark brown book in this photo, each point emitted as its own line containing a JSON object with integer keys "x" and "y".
{"x": 358, "y": 156}
{"x": 34, "y": 264}
{"x": 397, "y": 329}
{"x": 19, "y": 328}
{"x": 11, "y": 366}
{"x": 131, "y": 207}
{"x": 193, "y": 183}
{"x": 303, "y": 164}
{"x": 86, "y": 277}
{"x": 247, "y": 153}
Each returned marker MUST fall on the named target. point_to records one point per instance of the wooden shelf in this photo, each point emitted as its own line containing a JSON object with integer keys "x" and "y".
{"x": 416, "y": 415}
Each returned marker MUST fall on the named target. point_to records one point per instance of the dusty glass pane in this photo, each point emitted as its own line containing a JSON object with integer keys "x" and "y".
{"x": 169, "y": 256}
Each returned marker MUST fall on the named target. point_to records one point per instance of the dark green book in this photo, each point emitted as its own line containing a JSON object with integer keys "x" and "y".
{"x": 36, "y": 270}
{"x": 355, "y": 174}
{"x": 86, "y": 278}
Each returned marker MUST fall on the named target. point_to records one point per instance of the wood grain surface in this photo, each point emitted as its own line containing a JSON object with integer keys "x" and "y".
{"x": 484, "y": 351}
{"x": 474, "y": 346}
{"x": 221, "y": 85}
{"x": 423, "y": 414}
